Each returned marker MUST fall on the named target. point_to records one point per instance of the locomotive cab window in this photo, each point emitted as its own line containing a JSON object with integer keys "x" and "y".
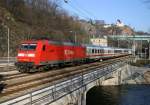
{"x": 28, "y": 46}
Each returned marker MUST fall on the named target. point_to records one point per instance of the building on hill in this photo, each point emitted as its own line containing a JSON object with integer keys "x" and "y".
{"x": 99, "y": 22}
{"x": 99, "y": 41}
{"x": 119, "y": 23}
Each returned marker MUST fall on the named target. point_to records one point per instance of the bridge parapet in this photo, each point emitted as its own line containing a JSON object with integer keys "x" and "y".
{"x": 55, "y": 92}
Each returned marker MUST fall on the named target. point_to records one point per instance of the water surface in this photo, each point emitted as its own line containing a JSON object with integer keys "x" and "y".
{"x": 119, "y": 95}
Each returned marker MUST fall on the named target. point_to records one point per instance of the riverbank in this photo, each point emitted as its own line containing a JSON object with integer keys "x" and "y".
{"x": 135, "y": 75}
{"x": 147, "y": 77}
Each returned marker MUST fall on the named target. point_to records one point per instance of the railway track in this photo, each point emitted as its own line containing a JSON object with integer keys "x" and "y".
{"x": 7, "y": 68}
{"x": 17, "y": 84}
{"x": 13, "y": 76}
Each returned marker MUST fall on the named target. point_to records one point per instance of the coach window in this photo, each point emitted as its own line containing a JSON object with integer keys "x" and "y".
{"x": 92, "y": 51}
{"x": 44, "y": 47}
{"x": 101, "y": 51}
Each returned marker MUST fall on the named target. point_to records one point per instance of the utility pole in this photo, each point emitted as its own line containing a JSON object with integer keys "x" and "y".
{"x": 118, "y": 42}
{"x": 146, "y": 53}
{"x": 75, "y": 37}
{"x": 89, "y": 36}
{"x": 8, "y": 41}
{"x": 8, "y": 31}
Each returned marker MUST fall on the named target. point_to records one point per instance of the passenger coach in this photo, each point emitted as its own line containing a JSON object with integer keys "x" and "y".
{"x": 100, "y": 52}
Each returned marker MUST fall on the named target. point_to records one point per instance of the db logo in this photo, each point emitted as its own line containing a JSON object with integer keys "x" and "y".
{"x": 69, "y": 52}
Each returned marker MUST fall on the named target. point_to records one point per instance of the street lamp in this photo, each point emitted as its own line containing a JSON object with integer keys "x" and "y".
{"x": 75, "y": 37}
{"x": 89, "y": 38}
{"x": 145, "y": 52}
{"x": 118, "y": 42}
{"x": 8, "y": 34}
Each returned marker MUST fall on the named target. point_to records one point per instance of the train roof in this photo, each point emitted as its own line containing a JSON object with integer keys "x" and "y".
{"x": 29, "y": 41}
{"x": 105, "y": 47}
{"x": 53, "y": 42}
{"x": 64, "y": 43}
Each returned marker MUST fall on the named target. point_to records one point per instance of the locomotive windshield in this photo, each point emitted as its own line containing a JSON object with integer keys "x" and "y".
{"x": 28, "y": 46}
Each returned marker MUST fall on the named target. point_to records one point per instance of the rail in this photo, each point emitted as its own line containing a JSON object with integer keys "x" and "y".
{"x": 52, "y": 93}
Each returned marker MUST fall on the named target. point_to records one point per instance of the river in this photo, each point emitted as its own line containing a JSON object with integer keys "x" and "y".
{"x": 119, "y": 95}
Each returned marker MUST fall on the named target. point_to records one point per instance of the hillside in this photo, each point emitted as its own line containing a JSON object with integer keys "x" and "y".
{"x": 36, "y": 18}
{"x": 28, "y": 19}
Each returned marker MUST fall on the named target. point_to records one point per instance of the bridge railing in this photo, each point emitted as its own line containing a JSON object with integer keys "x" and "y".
{"x": 61, "y": 89}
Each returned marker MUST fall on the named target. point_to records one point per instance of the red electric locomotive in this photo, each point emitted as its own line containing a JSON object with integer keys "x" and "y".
{"x": 38, "y": 54}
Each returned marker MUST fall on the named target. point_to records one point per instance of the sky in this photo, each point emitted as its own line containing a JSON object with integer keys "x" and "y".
{"x": 134, "y": 13}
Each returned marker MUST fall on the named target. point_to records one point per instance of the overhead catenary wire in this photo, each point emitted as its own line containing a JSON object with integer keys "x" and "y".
{"x": 78, "y": 10}
{"x": 85, "y": 10}
{"x": 77, "y": 13}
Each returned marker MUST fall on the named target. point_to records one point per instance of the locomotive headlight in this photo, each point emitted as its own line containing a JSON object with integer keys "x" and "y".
{"x": 31, "y": 55}
{"x": 21, "y": 55}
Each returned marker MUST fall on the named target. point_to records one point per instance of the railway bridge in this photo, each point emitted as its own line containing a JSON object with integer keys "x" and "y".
{"x": 73, "y": 90}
